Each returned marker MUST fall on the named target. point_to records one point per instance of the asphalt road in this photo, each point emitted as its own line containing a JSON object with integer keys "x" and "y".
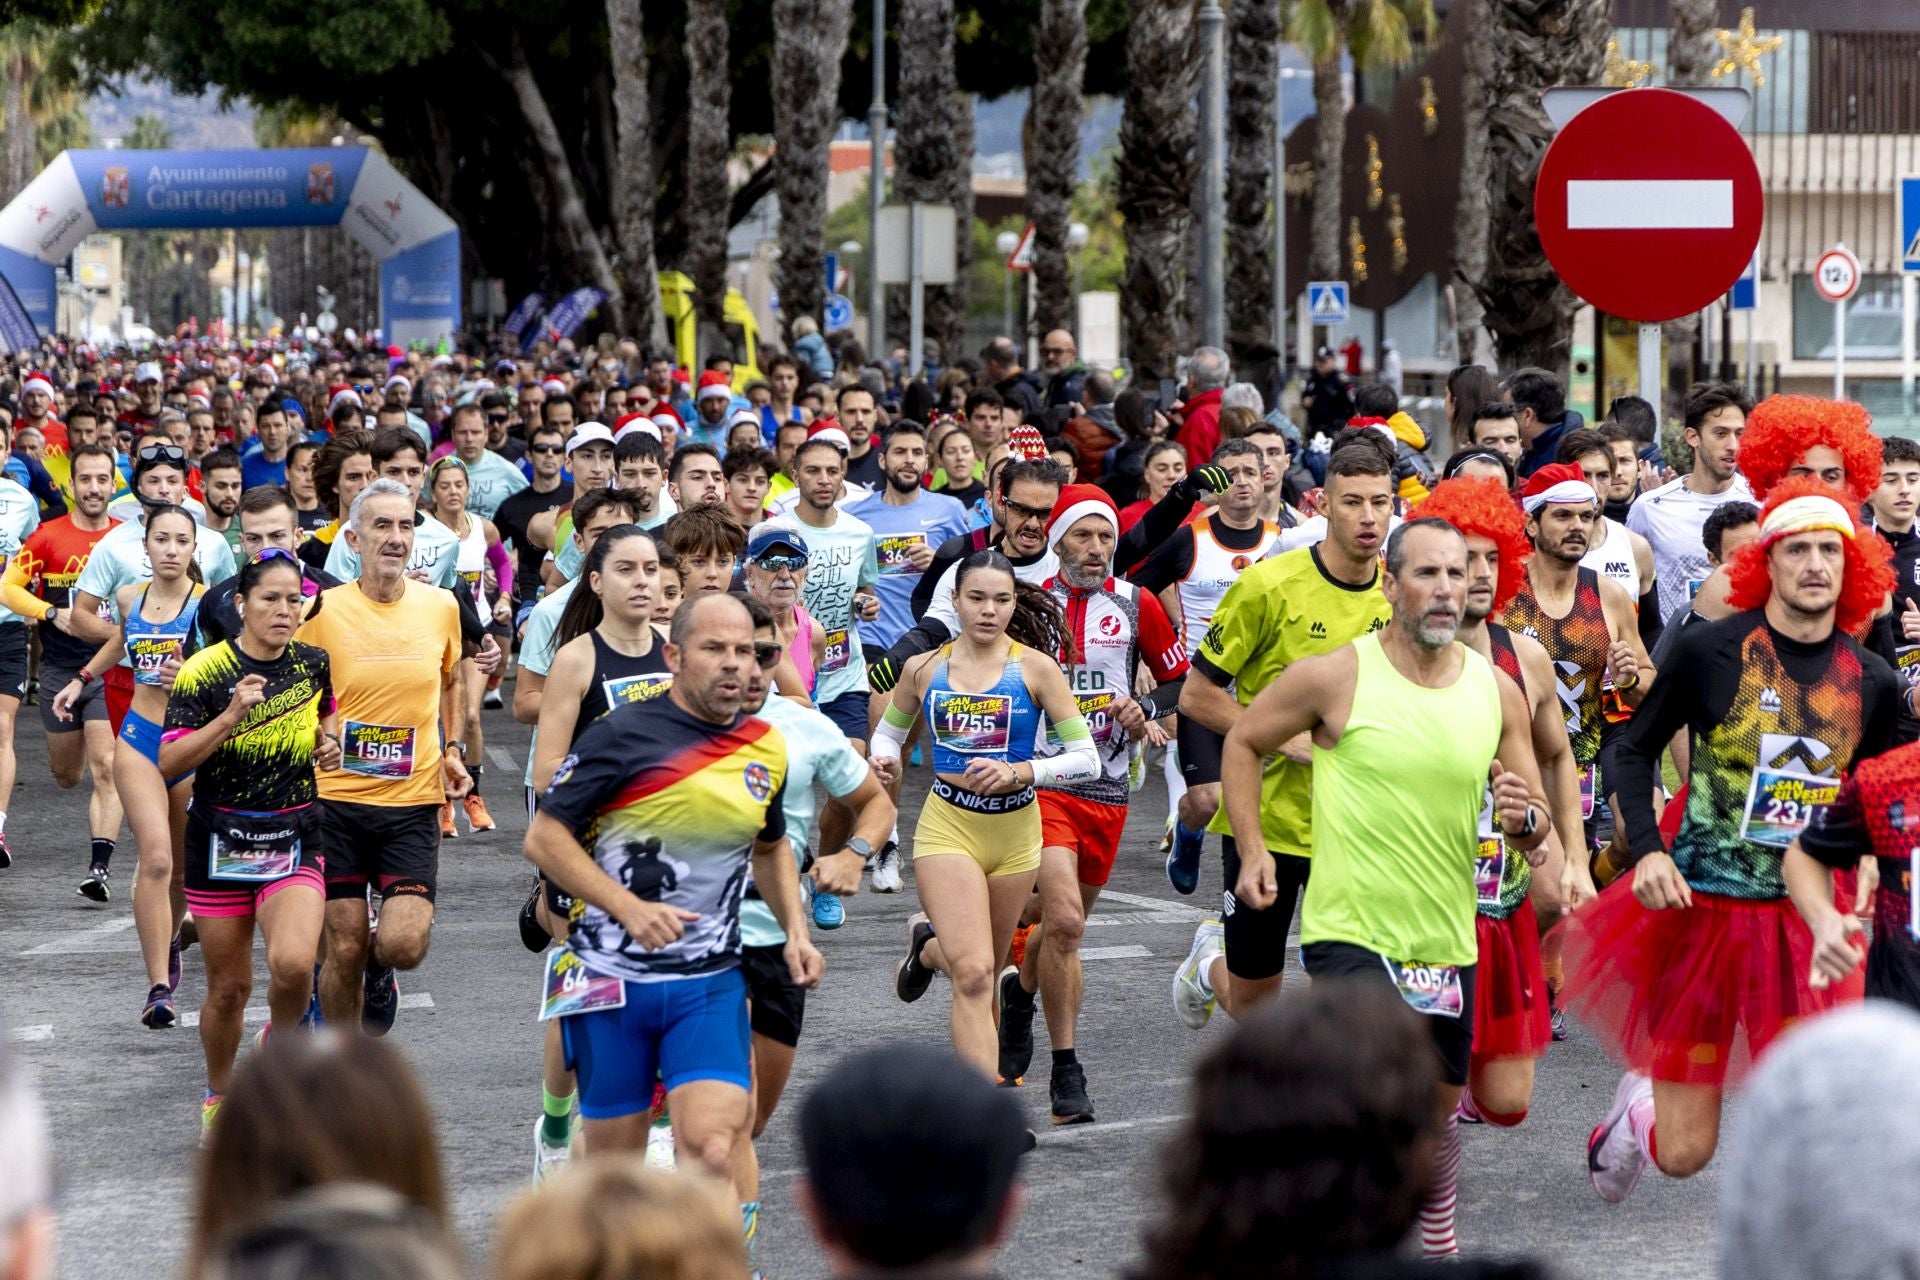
{"x": 125, "y": 1100}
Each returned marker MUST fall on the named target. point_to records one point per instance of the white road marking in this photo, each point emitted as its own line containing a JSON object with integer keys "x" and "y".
{"x": 69, "y": 942}
{"x": 259, "y": 1012}
{"x": 501, "y": 760}
{"x": 1129, "y": 952}
{"x": 30, "y": 1035}
{"x": 1152, "y": 904}
{"x": 1664, "y": 204}
{"x": 1145, "y": 917}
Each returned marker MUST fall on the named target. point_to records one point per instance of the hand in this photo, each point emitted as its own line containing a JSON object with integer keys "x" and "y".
{"x": 1836, "y": 949}
{"x": 1207, "y": 479}
{"x": 839, "y": 872}
{"x": 1298, "y": 748}
{"x": 1129, "y": 715}
{"x": 420, "y": 575}
{"x": 63, "y": 701}
{"x": 885, "y": 768}
{"x": 654, "y": 924}
{"x": 63, "y": 621}
{"x": 805, "y": 964}
{"x": 1910, "y": 620}
{"x": 991, "y": 778}
{"x": 1157, "y": 736}
{"x": 502, "y": 611}
{"x": 1658, "y": 883}
{"x": 1257, "y": 886}
{"x": 866, "y": 606}
{"x": 454, "y": 778}
{"x": 1623, "y": 666}
{"x": 488, "y": 659}
{"x": 883, "y": 675}
{"x": 919, "y": 555}
{"x": 1576, "y": 884}
{"x": 489, "y": 580}
{"x": 326, "y": 751}
{"x": 170, "y": 669}
{"x": 248, "y": 694}
{"x": 1866, "y": 884}
{"x": 1511, "y": 800}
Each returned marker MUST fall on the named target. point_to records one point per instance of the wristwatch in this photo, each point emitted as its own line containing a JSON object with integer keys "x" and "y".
{"x": 862, "y": 848}
{"x": 456, "y": 744}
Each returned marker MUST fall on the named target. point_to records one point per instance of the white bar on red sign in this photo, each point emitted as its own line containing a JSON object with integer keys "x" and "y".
{"x": 1664, "y": 204}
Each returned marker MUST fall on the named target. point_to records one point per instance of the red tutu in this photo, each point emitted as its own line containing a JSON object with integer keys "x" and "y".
{"x": 1691, "y": 996}
{"x": 1510, "y": 1017}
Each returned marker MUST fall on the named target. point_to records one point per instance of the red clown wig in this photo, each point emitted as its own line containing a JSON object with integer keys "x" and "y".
{"x": 1781, "y": 429}
{"x": 1481, "y": 507}
{"x": 1868, "y": 576}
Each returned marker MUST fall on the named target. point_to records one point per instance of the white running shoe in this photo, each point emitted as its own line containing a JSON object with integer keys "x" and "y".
{"x": 1614, "y": 1159}
{"x": 886, "y": 869}
{"x": 1192, "y": 998}
{"x": 547, "y": 1159}
{"x": 660, "y": 1152}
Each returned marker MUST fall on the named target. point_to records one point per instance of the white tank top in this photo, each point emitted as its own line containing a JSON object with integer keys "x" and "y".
{"x": 1614, "y": 559}
{"x": 1214, "y": 569}
{"x": 472, "y": 562}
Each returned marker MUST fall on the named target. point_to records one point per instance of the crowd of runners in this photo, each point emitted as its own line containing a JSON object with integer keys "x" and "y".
{"x": 1548, "y": 730}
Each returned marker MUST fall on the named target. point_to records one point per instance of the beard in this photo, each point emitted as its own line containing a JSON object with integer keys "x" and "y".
{"x": 898, "y": 485}
{"x": 1431, "y": 633}
{"x": 1084, "y": 579}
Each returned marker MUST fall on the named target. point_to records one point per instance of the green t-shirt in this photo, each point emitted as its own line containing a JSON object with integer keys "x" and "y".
{"x": 1283, "y": 609}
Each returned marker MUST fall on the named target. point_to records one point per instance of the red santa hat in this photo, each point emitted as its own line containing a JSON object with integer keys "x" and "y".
{"x": 553, "y": 387}
{"x": 830, "y": 431}
{"x": 340, "y": 393}
{"x": 632, "y": 423}
{"x": 713, "y": 382}
{"x": 1076, "y": 502}
{"x": 38, "y": 382}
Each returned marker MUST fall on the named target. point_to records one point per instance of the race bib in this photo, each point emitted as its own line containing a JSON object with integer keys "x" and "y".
{"x": 1906, "y": 660}
{"x": 572, "y": 988}
{"x": 1097, "y": 708}
{"x": 1780, "y": 803}
{"x": 972, "y": 723}
{"x": 475, "y": 588}
{"x": 1586, "y": 792}
{"x": 1489, "y": 862}
{"x": 1693, "y": 586}
{"x": 377, "y": 750}
{"x": 640, "y": 688}
{"x": 893, "y": 552}
{"x": 839, "y": 649}
{"x": 1431, "y": 989}
{"x": 252, "y": 846}
{"x": 147, "y": 654}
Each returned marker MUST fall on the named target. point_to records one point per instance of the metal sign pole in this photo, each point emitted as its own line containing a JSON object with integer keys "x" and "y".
{"x": 916, "y": 283}
{"x": 1840, "y": 350}
{"x": 1650, "y": 371}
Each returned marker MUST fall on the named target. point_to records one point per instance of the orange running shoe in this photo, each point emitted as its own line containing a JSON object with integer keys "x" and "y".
{"x": 477, "y": 816}
{"x": 1020, "y": 933}
{"x": 446, "y": 821}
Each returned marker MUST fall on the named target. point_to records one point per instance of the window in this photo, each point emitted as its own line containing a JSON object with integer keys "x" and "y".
{"x": 1873, "y": 320}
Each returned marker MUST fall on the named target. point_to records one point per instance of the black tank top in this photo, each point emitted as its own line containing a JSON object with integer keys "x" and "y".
{"x": 618, "y": 678}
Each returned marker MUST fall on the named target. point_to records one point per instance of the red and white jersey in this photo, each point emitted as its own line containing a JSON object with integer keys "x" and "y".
{"x": 1110, "y": 631}
{"x": 1213, "y": 570}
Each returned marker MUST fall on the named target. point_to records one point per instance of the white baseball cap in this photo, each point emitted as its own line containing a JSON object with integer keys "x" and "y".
{"x": 147, "y": 371}
{"x": 589, "y": 433}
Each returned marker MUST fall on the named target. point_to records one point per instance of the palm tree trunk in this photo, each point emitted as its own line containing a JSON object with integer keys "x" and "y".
{"x": 1053, "y": 162}
{"x": 704, "y": 211}
{"x": 1536, "y": 44}
{"x": 1156, "y": 173}
{"x": 634, "y": 181}
{"x": 809, "y": 39}
{"x": 1473, "y": 207}
{"x": 947, "y": 304}
{"x": 19, "y": 124}
{"x": 1691, "y": 53}
{"x": 1330, "y": 141}
{"x": 925, "y": 135}
{"x": 1253, "y": 79}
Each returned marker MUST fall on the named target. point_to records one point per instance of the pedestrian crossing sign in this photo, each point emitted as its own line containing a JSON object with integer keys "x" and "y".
{"x": 1910, "y": 224}
{"x": 1327, "y": 301}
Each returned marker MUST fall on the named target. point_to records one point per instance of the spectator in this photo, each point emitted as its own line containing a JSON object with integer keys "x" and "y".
{"x": 810, "y": 348}
{"x": 1540, "y": 406}
{"x": 1243, "y": 395}
{"x": 910, "y": 1163}
{"x": 306, "y": 1111}
{"x": 1000, "y": 369}
{"x": 1468, "y": 387}
{"x": 1060, "y": 360}
{"x": 1207, "y": 374}
{"x": 1412, "y": 472}
{"x": 610, "y": 1217}
{"x": 1390, "y": 369}
{"x": 345, "y": 1231}
{"x": 1821, "y": 1173}
{"x": 1327, "y": 397}
{"x": 26, "y": 1193}
{"x": 1140, "y": 423}
{"x": 1236, "y": 421}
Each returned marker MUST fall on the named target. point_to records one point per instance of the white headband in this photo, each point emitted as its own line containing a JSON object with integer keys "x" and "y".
{"x": 1805, "y": 515}
{"x": 1577, "y": 493}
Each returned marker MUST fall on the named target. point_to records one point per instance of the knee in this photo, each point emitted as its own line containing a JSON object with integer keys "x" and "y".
{"x": 346, "y": 946}
{"x": 714, "y": 1151}
{"x": 227, "y": 993}
{"x": 155, "y": 860}
{"x": 1066, "y": 925}
{"x": 1679, "y": 1154}
{"x": 285, "y": 968}
{"x": 402, "y": 950}
{"x": 67, "y": 777}
{"x": 972, "y": 976}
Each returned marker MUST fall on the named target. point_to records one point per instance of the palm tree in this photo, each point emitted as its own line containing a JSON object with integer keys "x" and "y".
{"x": 634, "y": 182}
{"x": 925, "y": 137}
{"x": 1473, "y": 206}
{"x": 149, "y": 133}
{"x": 809, "y": 39}
{"x": 1378, "y": 34}
{"x": 947, "y": 308}
{"x": 704, "y": 210}
{"x": 1053, "y": 153}
{"x": 1536, "y": 44}
{"x": 1253, "y": 81}
{"x": 1156, "y": 171}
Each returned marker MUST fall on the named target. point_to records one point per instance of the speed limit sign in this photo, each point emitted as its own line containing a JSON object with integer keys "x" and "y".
{"x": 1837, "y": 275}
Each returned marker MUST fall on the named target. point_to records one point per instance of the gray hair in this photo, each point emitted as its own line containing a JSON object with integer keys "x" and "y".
{"x": 1396, "y": 557}
{"x": 1208, "y": 369}
{"x": 1244, "y": 395}
{"x": 381, "y": 488}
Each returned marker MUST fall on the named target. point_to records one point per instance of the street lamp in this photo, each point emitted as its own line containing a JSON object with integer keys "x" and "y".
{"x": 1006, "y": 242}
{"x": 1077, "y": 237}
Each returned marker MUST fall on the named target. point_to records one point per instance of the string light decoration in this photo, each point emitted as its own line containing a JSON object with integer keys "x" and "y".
{"x": 1623, "y": 72}
{"x": 1429, "y": 107}
{"x": 1397, "y": 229}
{"x": 1299, "y": 180}
{"x": 1357, "y": 250}
{"x": 1375, "y": 167}
{"x": 1742, "y": 48}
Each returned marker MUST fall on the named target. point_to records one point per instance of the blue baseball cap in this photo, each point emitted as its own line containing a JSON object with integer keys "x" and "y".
{"x": 770, "y": 534}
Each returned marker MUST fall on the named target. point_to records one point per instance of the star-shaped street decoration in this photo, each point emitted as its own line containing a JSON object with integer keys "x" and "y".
{"x": 1623, "y": 72}
{"x": 1742, "y": 48}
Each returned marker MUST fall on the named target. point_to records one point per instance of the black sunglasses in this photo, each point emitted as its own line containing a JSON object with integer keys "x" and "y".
{"x": 496, "y": 419}
{"x": 162, "y": 451}
{"x": 766, "y": 654}
{"x": 545, "y": 448}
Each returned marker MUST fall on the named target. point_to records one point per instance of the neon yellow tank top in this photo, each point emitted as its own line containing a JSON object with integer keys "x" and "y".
{"x": 1396, "y": 809}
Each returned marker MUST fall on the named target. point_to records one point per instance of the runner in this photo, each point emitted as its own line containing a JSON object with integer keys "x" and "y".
{"x": 1891, "y": 508}
{"x": 39, "y": 584}
{"x": 491, "y": 479}
{"x": 341, "y": 469}
{"x": 748, "y": 472}
{"x": 659, "y": 937}
{"x": 1287, "y": 607}
{"x": 395, "y": 648}
{"x": 1670, "y": 516}
{"x": 590, "y": 456}
{"x": 1191, "y": 572}
{"x": 148, "y": 643}
{"x": 480, "y": 554}
{"x": 1407, "y": 730}
{"x": 221, "y": 482}
{"x": 398, "y": 455}
{"x": 640, "y": 468}
{"x": 251, "y": 719}
{"x": 1617, "y": 552}
{"x": 1780, "y": 701}
{"x": 268, "y": 520}
{"x": 546, "y": 494}
{"x": 19, "y": 518}
{"x": 976, "y": 850}
{"x": 1111, "y": 628}
{"x": 306, "y": 495}
{"x": 707, "y": 544}
{"x": 775, "y": 575}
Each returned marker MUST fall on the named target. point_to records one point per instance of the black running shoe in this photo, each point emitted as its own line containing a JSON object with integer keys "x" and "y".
{"x": 1016, "y": 1028}
{"x": 533, "y": 936}
{"x": 94, "y": 888}
{"x": 1069, "y": 1091}
{"x": 381, "y": 999}
{"x": 912, "y": 978}
{"x": 6, "y": 852}
{"x": 1556, "y": 1016}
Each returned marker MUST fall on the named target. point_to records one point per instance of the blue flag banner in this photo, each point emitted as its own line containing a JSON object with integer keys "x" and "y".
{"x": 523, "y": 315}
{"x": 571, "y": 311}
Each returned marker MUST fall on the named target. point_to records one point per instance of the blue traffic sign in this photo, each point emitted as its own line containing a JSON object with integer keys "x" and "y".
{"x": 1910, "y": 223}
{"x": 839, "y": 311}
{"x": 1327, "y": 301}
{"x": 1744, "y": 294}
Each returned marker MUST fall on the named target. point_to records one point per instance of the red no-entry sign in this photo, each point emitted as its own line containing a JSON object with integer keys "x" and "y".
{"x": 1648, "y": 204}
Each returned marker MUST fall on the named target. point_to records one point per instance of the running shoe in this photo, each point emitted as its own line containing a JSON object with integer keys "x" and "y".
{"x": 1016, "y": 1027}
{"x": 209, "y": 1112}
{"x": 158, "y": 1014}
{"x": 886, "y": 869}
{"x": 1614, "y": 1159}
{"x": 548, "y": 1159}
{"x": 1183, "y": 860}
{"x": 1192, "y": 999}
{"x": 189, "y": 932}
{"x": 912, "y": 977}
{"x": 477, "y": 816}
{"x": 381, "y": 999}
{"x": 660, "y": 1152}
{"x": 260, "y": 1037}
{"x": 6, "y": 852}
{"x": 1068, "y": 1089}
{"x": 446, "y": 822}
{"x": 95, "y": 888}
{"x": 494, "y": 701}
{"x": 1556, "y": 1016}
{"x": 1466, "y": 1111}
{"x": 173, "y": 964}
{"x": 1166, "y": 839}
{"x": 828, "y": 911}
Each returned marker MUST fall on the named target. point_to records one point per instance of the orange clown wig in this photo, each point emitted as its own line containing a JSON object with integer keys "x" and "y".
{"x": 1481, "y": 507}
{"x": 1803, "y": 504}
{"x": 1781, "y": 429}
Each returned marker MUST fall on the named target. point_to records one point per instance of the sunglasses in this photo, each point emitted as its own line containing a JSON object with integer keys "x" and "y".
{"x": 775, "y": 561}
{"x": 162, "y": 451}
{"x": 545, "y": 448}
{"x": 496, "y": 419}
{"x": 767, "y": 654}
{"x": 1022, "y": 509}
{"x": 274, "y": 553}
